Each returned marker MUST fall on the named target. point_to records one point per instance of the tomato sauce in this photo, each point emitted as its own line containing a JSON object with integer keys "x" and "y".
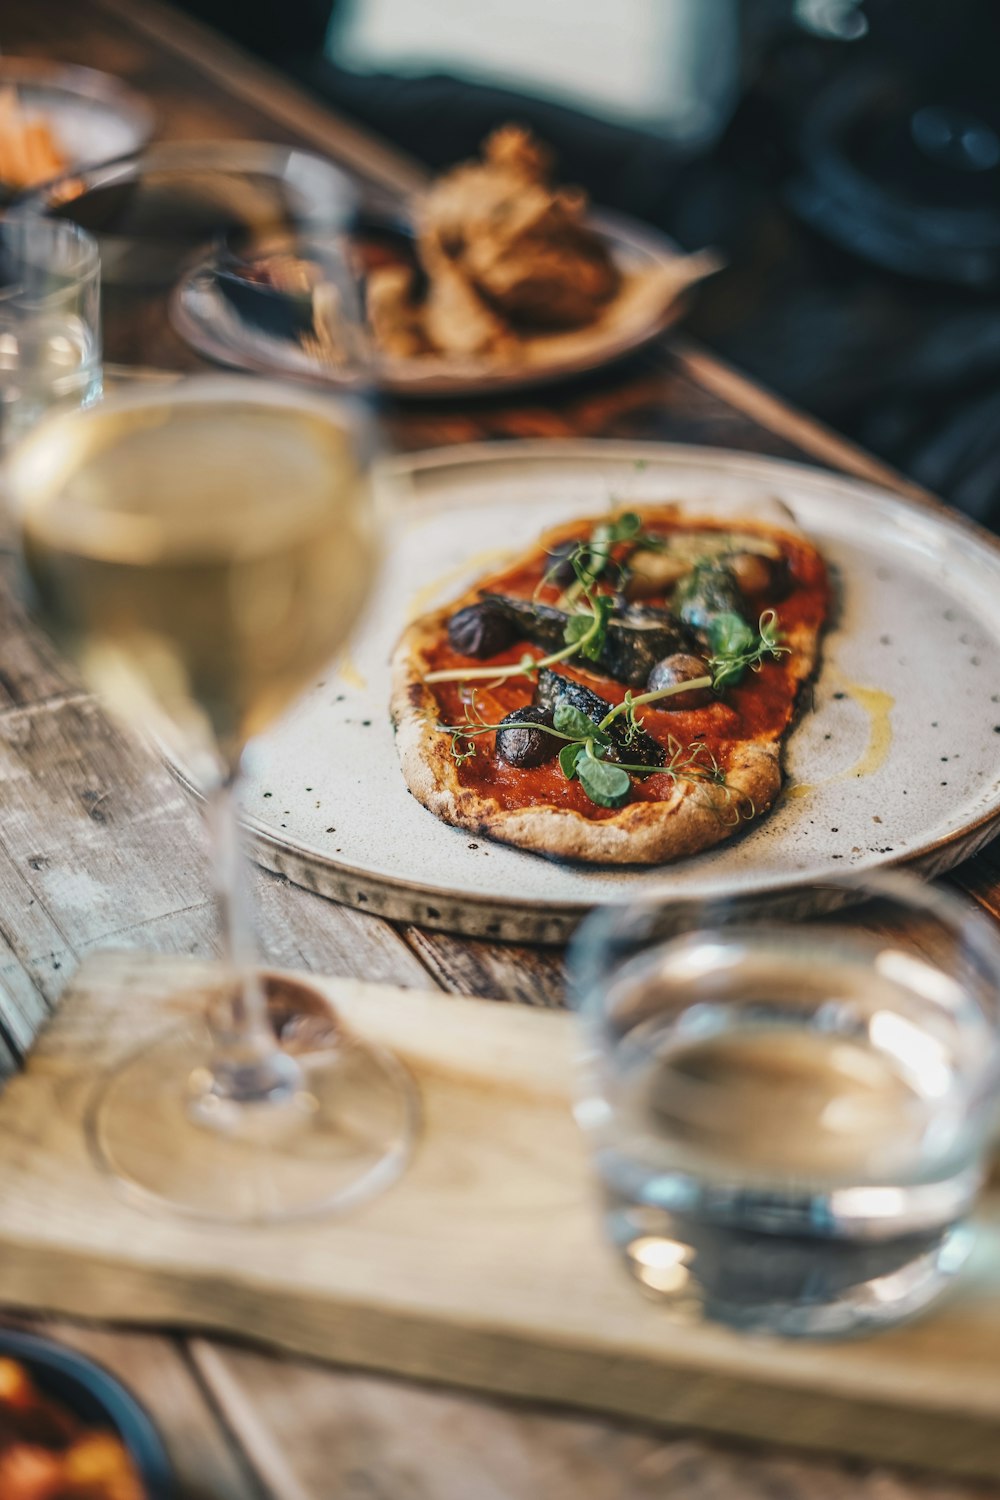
{"x": 760, "y": 707}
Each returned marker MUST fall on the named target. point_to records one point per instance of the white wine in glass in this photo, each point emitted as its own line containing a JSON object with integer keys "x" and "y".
{"x": 202, "y": 550}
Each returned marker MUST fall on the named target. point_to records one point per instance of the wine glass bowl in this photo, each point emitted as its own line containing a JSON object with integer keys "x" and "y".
{"x": 202, "y": 549}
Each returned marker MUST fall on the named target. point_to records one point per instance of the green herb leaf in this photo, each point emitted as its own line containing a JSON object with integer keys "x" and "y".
{"x": 577, "y": 627}
{"x": 737, "y": 649}
{"x": 569, "y": 757}
{"x": 730, "y": 635}
{"x": 624, "y": 527}
{"x": 570, "y": 720}
{"x": 603, "y": 607}
{"x": 606, "y": 785}
{"x": 728, "y": 673}
{"x": 573, "y": 721}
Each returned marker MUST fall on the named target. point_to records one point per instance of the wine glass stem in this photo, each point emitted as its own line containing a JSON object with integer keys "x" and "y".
{"x": 247, "y": 1064}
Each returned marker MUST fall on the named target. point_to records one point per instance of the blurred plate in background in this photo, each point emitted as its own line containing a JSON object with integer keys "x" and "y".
{"x": 225, "y": 328}
{"x": 93, "y": 118}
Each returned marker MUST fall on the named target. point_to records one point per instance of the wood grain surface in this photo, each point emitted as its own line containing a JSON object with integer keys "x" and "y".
{"x": 482, "y": 1267}
{"x": 98, "y": 846}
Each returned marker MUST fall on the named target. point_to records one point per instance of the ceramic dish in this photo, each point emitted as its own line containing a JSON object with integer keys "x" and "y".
{"x": 93, "y": 117}
{"x": 655, "y": 277}
{"x": 877, "y": 771}
{"x": 98, "y": 1399}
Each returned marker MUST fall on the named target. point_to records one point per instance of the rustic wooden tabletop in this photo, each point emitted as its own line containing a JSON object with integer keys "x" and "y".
{"x": 100, "y": 848}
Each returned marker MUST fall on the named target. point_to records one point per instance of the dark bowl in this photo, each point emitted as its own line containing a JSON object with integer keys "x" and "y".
{"x": 98, "y": 1399}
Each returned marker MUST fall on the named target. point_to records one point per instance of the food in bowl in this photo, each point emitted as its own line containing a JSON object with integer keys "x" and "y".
{"x": 48, "y": 1453}
{"x": 29, "y": 155}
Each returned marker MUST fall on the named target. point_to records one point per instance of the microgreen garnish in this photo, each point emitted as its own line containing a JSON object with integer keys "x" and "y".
{"x": 589, "y": 558}
{"x": 592, "y": 557}
{"x": 586, "y": 745}
{"x": 585, "y": 634}
{"x": 735, "y": 646}
{"x": 735, "y": 649}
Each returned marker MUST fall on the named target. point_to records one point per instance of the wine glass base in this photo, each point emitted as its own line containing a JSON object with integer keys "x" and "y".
{"x": 344, "y": 1135}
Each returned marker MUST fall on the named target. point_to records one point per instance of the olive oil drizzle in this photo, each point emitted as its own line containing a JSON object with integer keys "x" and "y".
{"x": 878, "y": 705}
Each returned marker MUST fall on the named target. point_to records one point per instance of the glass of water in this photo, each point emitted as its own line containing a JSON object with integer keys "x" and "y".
{"x": 50, "y": 323}
{"x": 789, "y": 1100}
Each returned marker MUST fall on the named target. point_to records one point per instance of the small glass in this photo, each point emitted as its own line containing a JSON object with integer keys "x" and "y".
{"x": 50, "y": 321}
{"x": 790, "y": 1105}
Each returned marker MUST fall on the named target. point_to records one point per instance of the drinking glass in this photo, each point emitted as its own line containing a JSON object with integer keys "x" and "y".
{"x": 172, "y": 206}
{"x": 50, "y": 326}
{"x": 789, "y": 1099}
{"x": 201, "y": 549}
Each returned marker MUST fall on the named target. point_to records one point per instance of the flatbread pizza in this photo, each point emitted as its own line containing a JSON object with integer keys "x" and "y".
{"x": 620, "y": 692}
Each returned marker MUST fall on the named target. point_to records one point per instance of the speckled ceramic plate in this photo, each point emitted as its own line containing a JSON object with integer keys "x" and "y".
{"x": 898, "y": 759}
{"x": 656, "y": 277}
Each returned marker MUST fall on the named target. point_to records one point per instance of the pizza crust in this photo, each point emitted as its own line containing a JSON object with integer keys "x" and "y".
{"x": 695, "y": 817}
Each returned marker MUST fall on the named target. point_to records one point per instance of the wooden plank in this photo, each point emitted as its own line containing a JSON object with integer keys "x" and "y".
{"x": 779, "y": 416}
{"x": 315, "y": 1433}
{"x": 484, "y": 1266}
{"x": 98, "y": 844}
{"x": 29, "y": 669}
{"x": 468, "y": 966}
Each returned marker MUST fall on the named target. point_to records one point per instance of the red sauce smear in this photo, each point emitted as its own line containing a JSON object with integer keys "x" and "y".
{"x": 760, "y": 707}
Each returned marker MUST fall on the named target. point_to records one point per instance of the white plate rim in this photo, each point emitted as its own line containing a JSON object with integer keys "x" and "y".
{"x": 104, "y": 89}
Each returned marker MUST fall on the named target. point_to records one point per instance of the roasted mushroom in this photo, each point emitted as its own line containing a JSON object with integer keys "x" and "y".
{"x": 651, "y": 573}
{"x": 709, "y": 590}
{"x": 633, "y": 642}
{"x": 481, "y": 630}
{"x": 522, "y": 745}
{"x": 757, "y": 576}
{"x": 675, "y": 669}
{"x": 639, "y": 749}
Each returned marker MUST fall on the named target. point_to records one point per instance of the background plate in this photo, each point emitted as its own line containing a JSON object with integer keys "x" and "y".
{"x": 910, "y": 671}
{"x": 206, "y": 320}
{"x": 94, "y": 118}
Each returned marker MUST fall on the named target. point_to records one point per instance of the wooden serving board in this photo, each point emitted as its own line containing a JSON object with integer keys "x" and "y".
{"x": 484, "y": 1266}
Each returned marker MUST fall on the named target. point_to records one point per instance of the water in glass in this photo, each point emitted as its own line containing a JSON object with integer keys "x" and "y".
{"x": 788, "y": 1136}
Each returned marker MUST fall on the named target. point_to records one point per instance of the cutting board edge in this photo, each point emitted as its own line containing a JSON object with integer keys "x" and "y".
{"x": 640, "y": 1391}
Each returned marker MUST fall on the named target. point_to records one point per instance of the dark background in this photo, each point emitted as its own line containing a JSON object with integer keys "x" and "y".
{"x": 854, "y": 187}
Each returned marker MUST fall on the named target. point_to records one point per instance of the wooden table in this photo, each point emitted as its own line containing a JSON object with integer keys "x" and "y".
{"x": 99, "y": 848}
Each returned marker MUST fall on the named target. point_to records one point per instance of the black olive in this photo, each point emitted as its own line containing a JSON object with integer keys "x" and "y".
{"x": 559, "y": 569}
{"x": 523, "y": 746}
{"x": 680, "y": 668}
{"x": 480, "y": 630}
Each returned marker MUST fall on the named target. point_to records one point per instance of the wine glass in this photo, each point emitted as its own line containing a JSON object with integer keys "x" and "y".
{"x": 202, "y": 549}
